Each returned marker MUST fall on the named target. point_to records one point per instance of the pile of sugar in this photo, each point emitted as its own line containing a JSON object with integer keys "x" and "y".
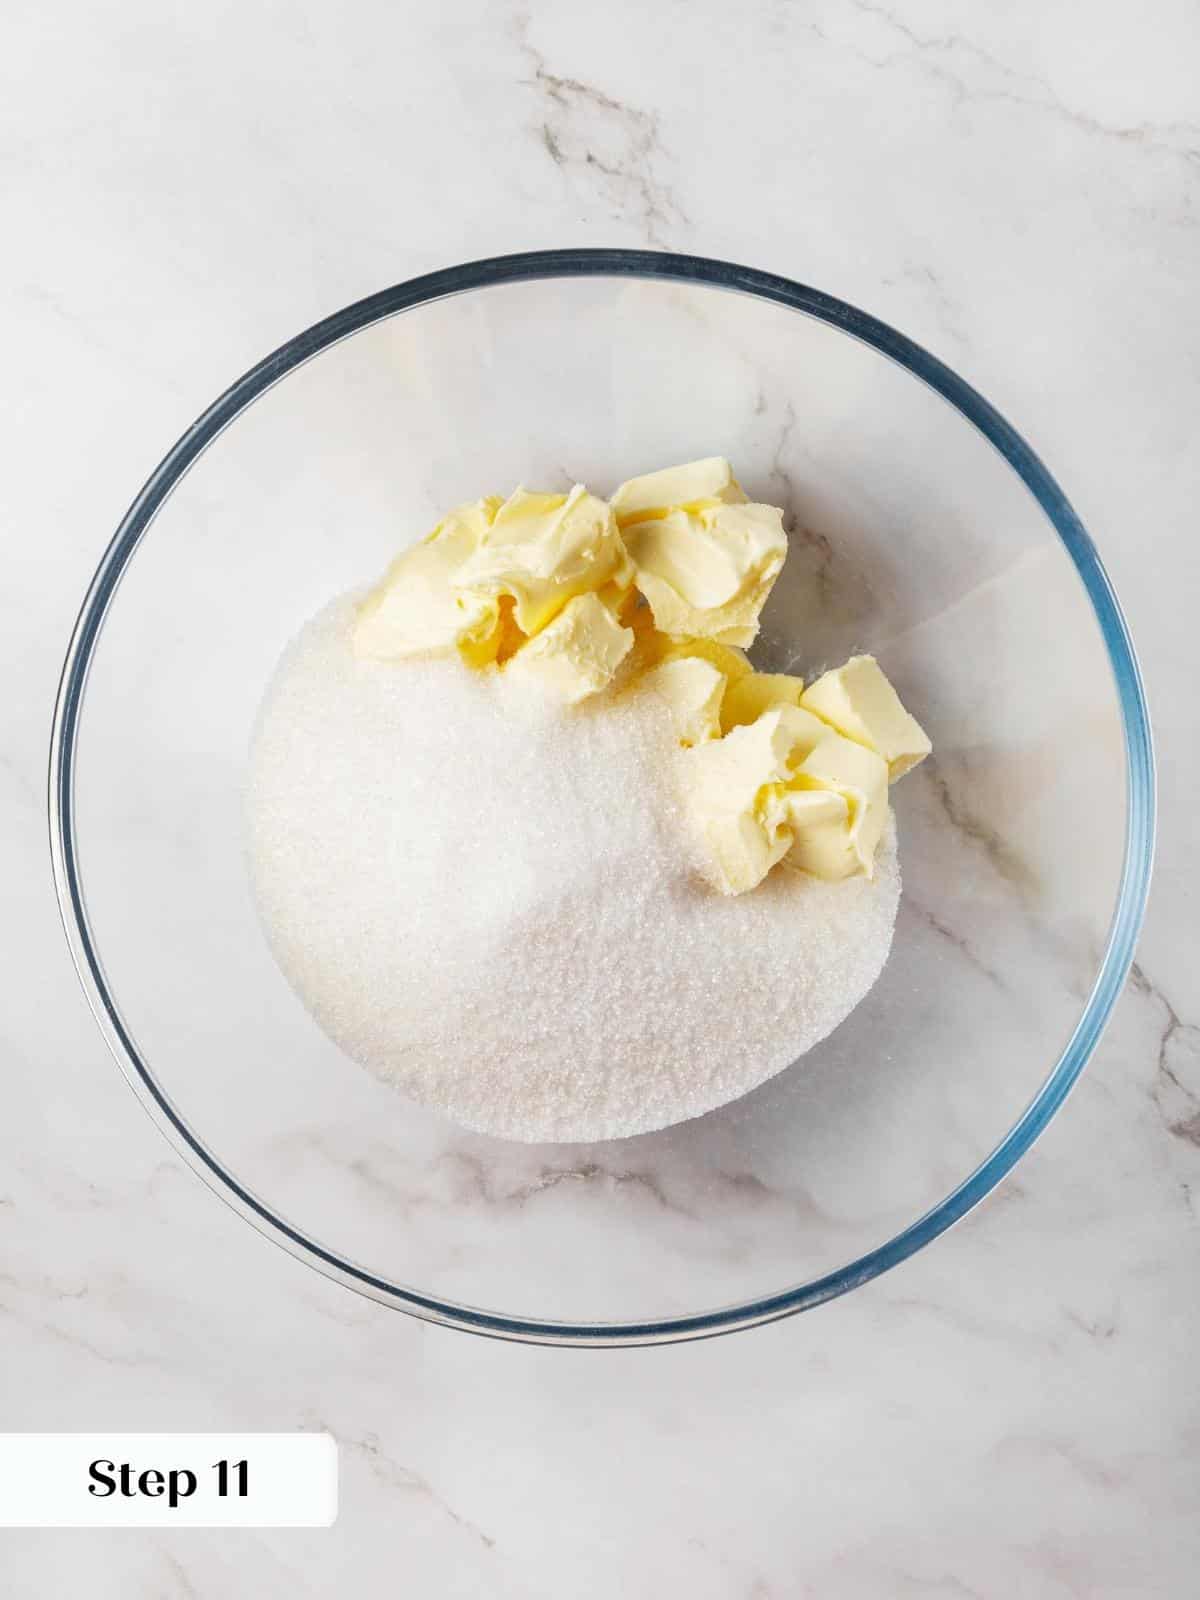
{"x": 492, "y": 903}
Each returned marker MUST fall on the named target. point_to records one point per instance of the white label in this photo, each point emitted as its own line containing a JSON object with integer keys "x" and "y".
{"x": 168, "y": 1480}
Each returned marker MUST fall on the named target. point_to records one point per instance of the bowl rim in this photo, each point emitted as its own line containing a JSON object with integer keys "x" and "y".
{"x": 531, "y": 266}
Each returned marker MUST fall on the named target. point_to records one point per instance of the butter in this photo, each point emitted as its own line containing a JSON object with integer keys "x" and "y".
{"x": 757, "y": 692}
{"x": 803, "y": 776}
{"x": 693, "y": 690}
{"x": 860, "y": 703}
{"x": 541, "y": 550}
{"x": 696, "y": 484}
{"x": 704, "y": 556}
{"x": 695, "y": 677}
{"x": 727, "y": 658}
{"x": 666, "y": 582}
{"x": 491, "y": 574}
{"x": 729, "y": 783}
{"x": 819, "y": 820}
{"x": 707, "y": 572}
{"x": 860, "y": 778}
{"x": 786, "y": 785}
{"x": 576, "y": 654}
{"x": 416, "y": 609}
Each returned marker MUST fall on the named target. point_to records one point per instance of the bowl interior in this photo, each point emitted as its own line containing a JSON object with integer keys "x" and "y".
{"x": 911, "y": 537}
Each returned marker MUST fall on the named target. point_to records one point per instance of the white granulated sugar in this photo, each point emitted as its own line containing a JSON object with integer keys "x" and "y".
{"x": 490, "y": 902}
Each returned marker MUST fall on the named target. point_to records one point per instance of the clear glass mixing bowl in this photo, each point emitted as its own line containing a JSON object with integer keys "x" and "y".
{"x": 924, "y": 529}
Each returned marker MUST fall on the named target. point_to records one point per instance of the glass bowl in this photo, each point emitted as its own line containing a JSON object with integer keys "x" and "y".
{"x": 923, "y": 529}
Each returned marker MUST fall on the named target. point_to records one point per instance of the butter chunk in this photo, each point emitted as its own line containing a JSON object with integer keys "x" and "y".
{"x": 415, "y": 609}
{"x": 541, "y": 551}
{"x": 860, "y": 778}
{"x": 694, "y": 484}
{"x": 756, "y": 692}
{"x": 727, "y": 658}
{"x": 820, "y": 821}
{"x": 786, "y": 786}
{"x": 735, "y": 786}
{"x": 576, "y": 654}
{"x": 693, "y": 690}
{"x": 860, "y": 703}
{"x": 707, "y": 573}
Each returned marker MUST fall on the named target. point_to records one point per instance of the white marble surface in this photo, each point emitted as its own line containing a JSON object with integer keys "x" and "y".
{"x": 1012, "y": 1413}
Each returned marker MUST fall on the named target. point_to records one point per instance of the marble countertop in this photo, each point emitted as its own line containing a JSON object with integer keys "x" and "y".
{"x": 1013, "y": 1412}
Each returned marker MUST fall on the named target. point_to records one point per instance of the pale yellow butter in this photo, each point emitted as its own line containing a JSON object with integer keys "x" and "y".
{"x": 491, "y": 574}
{"x": 695, "y": 484}
{"x": 860, "y": 778}
{"x": 757, "y": 692}
{"x": 707, "y": 573}
{"x": 576, "y": 654}
{"x": 542, "y": 550}
{"x": 820, "y": 822}
{"x": 561, "y": 590}
{"x": 734, "y": 787}
{"x": 725, "y": 780}
{"x": 786, "y": 786}
{"x": 416, "y": 608}
{"x": 858, "y": 701}
{"x": 731, "y": 662}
